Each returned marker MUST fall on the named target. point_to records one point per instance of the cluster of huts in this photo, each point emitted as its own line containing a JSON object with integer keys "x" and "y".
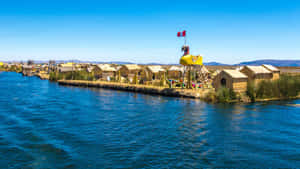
{"x": 237, "y": 79}
{"x": 132, "y": 73}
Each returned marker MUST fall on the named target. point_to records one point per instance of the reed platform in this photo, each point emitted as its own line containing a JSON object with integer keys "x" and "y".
{"x": 146, "y": 89}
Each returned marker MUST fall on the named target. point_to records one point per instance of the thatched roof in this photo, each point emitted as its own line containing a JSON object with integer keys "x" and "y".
{"x": 258, "y": 69}
{"x": 132, "y": 66}
{"x": 27, "y": 66}
{"x": 239, "y": 68}
{"x": 106, "y": 67}
{"x": 204, "y": 70}
{"x": 271, "y": 68}
{"x": 155, "y": 69}
{"x": 235, "y": 73}
{"x": 66, "y": 65}
{"x": 66, "y": 69}
{"x": 90, "y": 69}
{"x": 216, "y": 72}
{"x": 176, "y": 68}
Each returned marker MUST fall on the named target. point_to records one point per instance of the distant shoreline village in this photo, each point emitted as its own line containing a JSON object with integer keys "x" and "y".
{"x": 208, "y": 83}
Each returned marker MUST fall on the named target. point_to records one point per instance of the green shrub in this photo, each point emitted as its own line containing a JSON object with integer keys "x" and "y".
{"x": 232, "y": 94}
{"x": 225, "y": 95}
{"x": 265, "y": 89}
{"x": 251, "y": 91}
{"x": 79, "y": 75}
{"x": 285, "y": 87}
{"x": 55, "y": 76}
{"x": 76, "y": 75}
{"x": 288, "y": 86}
{"x": 211, "y": 97}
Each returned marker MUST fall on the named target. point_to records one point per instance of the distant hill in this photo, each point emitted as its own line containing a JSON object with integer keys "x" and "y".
{"x": 80, "y": 61}
{"x": 272, "y": 62}
{"x": 260, "y": 62}
{"x": 215, "y": 64}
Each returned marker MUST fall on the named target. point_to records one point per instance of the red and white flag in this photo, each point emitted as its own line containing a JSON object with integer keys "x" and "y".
{"x": 181, "y": 34}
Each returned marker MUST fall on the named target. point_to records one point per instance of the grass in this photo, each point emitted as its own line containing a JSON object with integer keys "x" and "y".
{"x": 285, "y": 87}
{"x": 76, "y": 75}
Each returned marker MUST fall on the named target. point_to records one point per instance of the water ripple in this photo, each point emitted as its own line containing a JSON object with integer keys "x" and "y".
{"x": 44, "y": 125}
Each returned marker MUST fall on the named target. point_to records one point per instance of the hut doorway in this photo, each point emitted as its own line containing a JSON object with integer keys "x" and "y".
{"x": 223, "y": 82}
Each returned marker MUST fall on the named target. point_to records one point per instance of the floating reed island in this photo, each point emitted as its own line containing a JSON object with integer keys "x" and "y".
{"x": 209, "y": 83}
{"x": 146, "y": 89}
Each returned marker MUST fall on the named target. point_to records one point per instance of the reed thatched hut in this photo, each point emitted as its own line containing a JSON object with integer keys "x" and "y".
{"x": 130, "y": 72}
{"x": 232, "y": 79}
{"x": 257, "y": 73}
{"x": 175, "y": 72}
{"x": 27, "y": 70}
{"x": 104, "y": 72}
{"x": 275, "y": 71}
{"x": 154, "y": 72}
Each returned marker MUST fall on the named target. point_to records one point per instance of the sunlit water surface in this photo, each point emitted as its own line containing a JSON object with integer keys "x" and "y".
{"x": 44, "y": 125}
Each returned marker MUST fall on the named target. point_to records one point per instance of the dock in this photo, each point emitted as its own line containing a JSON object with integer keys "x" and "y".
{"x": 138, "y": 88}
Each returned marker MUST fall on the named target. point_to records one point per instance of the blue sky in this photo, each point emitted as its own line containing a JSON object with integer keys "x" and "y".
{"x": 145, "y": 31}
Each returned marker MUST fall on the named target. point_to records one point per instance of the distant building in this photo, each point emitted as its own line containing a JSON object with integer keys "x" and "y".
{"x": 27, "y": 70}
{"x": 65, "y": 67}
{"x": 104, "y": 72}
{"x": 129, "y": 71}
{"x": 175, "y": 72}
{"x": 257, "y": 73}
{"x": 154, "y": 72}
{"x": 232, "y": 79}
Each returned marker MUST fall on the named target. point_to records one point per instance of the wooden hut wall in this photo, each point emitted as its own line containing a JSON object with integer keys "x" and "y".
{"x": 174, "y": 74}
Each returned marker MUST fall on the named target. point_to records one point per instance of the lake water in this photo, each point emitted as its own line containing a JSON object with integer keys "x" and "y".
{"x": 44, "y": 125}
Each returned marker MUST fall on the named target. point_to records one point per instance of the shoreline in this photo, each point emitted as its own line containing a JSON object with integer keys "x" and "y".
{"x": 155, "y": 90}
{"x": 200, "y": 94}
{"x": 138, "y": 88}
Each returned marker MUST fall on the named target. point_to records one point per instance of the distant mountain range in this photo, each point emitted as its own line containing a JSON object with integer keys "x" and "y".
{"x": 273, "y": 62}
{"x": 215, "y": 64}
{"x": 255, "y": 62}
{"x": 260, "y": 62}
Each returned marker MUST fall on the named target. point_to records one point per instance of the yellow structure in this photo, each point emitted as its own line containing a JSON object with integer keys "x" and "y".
{"x": 189, "y": 60}
{"x": 1, "y": 64}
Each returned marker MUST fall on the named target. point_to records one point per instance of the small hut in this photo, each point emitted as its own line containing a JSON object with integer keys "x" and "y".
{"x": 175, "y": 72}
{"x": 274, "y": 70}
{"x": 27, "y": 70}
{"x": 130, "y": 71}
{"x": 154, "y": 72}
{"x": 104, "y": 72}
{"x": 257, "y": 73}
{"x": 63, "y": 68}
{"x": 232, "y": 79}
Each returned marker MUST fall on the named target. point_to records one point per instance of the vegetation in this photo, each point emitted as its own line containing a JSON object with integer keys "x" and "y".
{"x": 14, "y": 69}
{"x": 76, "y": 75}
{"x": 211, "y": 97}
{"x": 251, "y": 91}
{"x": 225, "y": 95}
{"x": 285, "y": 87}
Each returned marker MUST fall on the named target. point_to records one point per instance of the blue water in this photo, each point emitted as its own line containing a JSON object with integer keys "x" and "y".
{"x": 44, "y": 125}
